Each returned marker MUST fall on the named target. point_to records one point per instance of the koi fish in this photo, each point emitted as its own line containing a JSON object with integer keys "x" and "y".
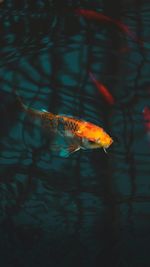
{"x": 70, "y": 134}
{"x": 103, "y": 90}
{"x": 91, "y": 14}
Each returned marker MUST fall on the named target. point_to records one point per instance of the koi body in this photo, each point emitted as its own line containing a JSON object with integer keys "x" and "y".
{"x": 75, "y": 133}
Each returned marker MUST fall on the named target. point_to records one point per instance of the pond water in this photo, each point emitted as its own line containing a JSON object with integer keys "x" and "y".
{"x": 92, "y": 208}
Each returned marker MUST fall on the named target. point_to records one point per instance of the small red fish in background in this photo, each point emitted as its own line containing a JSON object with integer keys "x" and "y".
{"x": 146, "y": 115}
{"x": 91, "y": 14}
{"x": 103, "y": 90}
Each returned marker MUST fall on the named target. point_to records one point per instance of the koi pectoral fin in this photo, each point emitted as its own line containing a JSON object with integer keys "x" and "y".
{"x": 105, "y": 150}
{"x": 68, "y": 151}
{"x": 73, "y": 148}
{"x": 63, "y": 151}
{"x": 63, "y": 145}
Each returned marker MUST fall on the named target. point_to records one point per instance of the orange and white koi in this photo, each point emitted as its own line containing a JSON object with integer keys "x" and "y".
{"x": 103, "y": 90}
{"x": 76, "y": 134}
{"x": 97, "y": 16}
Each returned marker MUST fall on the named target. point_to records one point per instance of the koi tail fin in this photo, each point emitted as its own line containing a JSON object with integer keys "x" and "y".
{"x": 19, "y": 101}
{"x": 31, "y": 111}
{"x": 21, "y": 104}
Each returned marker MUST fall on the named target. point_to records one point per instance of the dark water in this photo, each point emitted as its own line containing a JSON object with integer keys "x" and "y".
{"x": 91, "y": 209}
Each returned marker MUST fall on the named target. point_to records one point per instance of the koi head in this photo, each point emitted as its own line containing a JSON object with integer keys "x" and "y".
{"x": 94, "y": 137}
{"x": 105, "y": 141}
{"x": 97, "y": 143}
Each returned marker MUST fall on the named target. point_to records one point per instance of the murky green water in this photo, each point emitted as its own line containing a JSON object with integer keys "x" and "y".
{"x": 91, "y": 209}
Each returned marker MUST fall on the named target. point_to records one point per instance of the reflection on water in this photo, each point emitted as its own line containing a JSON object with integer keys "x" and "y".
{"x": 91, "y": 208}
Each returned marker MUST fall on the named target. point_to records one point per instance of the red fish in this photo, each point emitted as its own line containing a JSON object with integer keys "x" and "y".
{"x": 146, "y": 114}
{"x": 103, "y": 90}
{"x": 91, "y": 14}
